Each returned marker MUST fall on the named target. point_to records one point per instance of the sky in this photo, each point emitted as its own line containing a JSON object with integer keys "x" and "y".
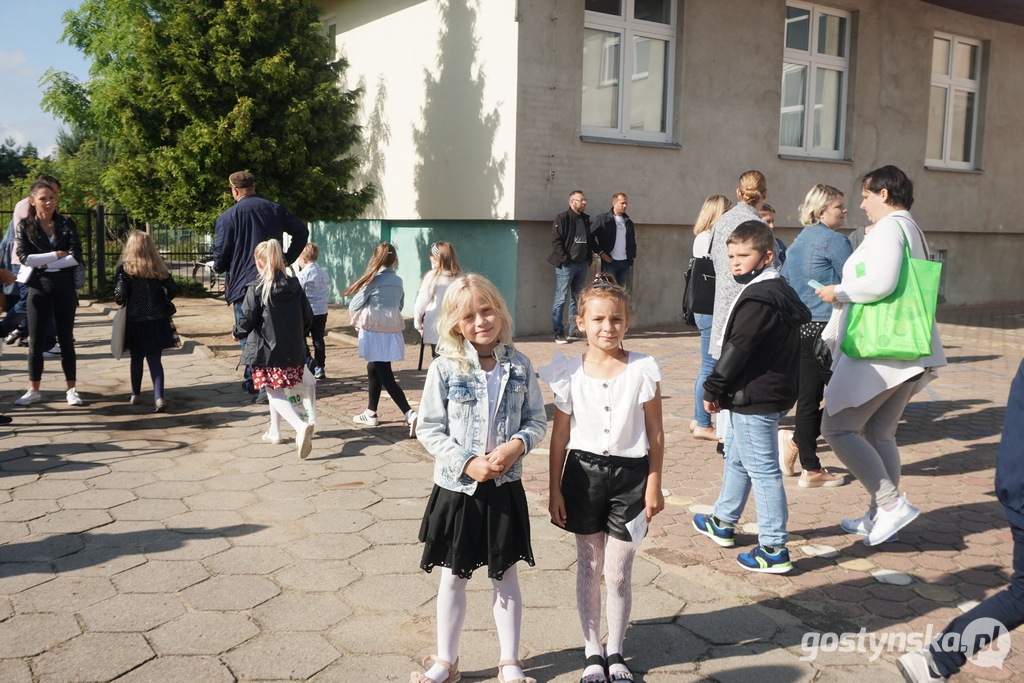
{"x": 30, "y": 45}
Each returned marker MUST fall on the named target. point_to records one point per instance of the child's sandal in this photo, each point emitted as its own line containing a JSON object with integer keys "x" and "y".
{"x": 513, "y": 662}
{"x": 595, "y": 660}
{"x": 617, "y": 658}
{"x": 453, "y": 671}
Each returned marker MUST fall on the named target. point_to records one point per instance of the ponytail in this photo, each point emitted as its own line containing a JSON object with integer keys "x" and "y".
{"x": 271, "y": 255}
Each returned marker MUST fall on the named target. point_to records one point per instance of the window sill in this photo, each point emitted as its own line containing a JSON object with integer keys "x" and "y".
{"x": 633, "y": 143}
{"x": 952, "y": 170}
{"x": 828, "y": 160}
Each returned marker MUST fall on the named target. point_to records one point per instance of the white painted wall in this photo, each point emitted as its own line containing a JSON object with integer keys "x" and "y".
{"x": 439, "y": 108}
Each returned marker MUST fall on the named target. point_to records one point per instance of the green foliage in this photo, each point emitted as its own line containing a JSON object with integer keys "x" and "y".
{"x": 189, "y": 91}
{"x": 190, "y": 289}
{"x": 13, "y": 158}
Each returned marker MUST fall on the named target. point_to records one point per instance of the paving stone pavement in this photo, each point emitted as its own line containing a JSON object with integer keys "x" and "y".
{"x": 172, "y": 547}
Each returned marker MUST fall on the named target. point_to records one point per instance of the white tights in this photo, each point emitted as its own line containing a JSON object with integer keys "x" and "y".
{"x": 451, "y": 616}
{"x": 280, "y": 407}
{"x": 594, "y": 553}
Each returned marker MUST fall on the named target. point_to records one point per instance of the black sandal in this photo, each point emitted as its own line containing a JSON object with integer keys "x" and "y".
{"x": 595, "y": 660}
{"x": 617, "y": 658}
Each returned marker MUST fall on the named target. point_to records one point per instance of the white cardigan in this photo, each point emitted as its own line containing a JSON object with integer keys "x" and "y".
{"x": 871, "y": 273}
{"x": 428, "y": 303}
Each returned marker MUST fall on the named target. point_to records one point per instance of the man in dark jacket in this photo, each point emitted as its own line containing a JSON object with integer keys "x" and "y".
{"x": 615, "y": 240}
{"x": 993, "y": 619}
{"x": 250, "y": 221}
{"x": 571, "y": 251}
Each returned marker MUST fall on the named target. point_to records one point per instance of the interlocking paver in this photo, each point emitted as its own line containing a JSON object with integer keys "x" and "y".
{"x": 282, "y": 655}
{"x": 93, "y": 657}
{"x": 202, "y": 633}
{"x": 180, "y": 670}
{"x": 25, "y": 635}
{"x": 161, "y": 577}
{"x": 131, "y": 612}
{"x": 230, "y": 593}
{"x": 65, "y": 594}
{"x": 248, "y": 560}
{"x": 301, "y": 612}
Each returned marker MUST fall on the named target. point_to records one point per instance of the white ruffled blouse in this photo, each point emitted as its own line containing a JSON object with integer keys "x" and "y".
{"x": 607, "y": 414}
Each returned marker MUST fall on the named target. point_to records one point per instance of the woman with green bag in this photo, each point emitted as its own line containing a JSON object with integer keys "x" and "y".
{"x": 872, "y": 383}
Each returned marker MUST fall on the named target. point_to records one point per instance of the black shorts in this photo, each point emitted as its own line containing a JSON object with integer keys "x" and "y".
{"x": 603, "y": 493}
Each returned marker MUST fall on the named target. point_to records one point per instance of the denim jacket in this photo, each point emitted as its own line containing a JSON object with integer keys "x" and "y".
{"x": 817, "y": 253}
{"x": 453, "y": 415}
{"x": 378, "y": 306}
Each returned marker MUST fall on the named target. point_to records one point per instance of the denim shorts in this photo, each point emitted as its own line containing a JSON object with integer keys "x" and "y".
{"x": 603, "y": 493}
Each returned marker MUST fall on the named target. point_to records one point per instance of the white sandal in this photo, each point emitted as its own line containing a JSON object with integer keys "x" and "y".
{"x": 453, "y": 671}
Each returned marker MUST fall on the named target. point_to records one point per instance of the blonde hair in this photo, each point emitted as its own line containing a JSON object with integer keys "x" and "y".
{"x": 816, "y": 201}
{"x": 271, "y": 256}
{"x": 310, "y": 252}
{"x": 714, "y": 207}
{"x": 603, "y": 287}
{"x": 141, "y": 259}
{"x": 384, "y": 256}
{"x": 457, "y": 300}
{"x": 446, "y": 258}
{"x": 752, "y": 187}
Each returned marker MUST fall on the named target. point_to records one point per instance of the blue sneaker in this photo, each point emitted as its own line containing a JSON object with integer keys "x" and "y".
{"x": 724, "y": 535}
{"x": 760, "y": 560}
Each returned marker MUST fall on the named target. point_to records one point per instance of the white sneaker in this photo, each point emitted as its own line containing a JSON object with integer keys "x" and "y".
{"x": 412, "y": 418}
{"x": 73, "y": 398}
{"x": 366, "y": 418}
{"x": 52, "y": 354}
{"x": 304, "y": 440}
{"x": 272, "y": 438}
{"x": 862, "y": 526}
{"x": 888, "y": 522}
{"x": 917, "y": 667}
{"x": 31, "y": 396}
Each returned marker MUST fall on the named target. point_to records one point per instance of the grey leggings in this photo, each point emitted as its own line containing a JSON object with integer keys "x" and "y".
{"x": 864, "y": 440}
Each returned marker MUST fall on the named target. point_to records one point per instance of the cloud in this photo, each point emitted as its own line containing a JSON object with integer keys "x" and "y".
{"x": 15, "y": 65}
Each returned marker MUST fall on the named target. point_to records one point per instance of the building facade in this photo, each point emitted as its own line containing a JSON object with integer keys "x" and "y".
{"x": 480, "y": 116}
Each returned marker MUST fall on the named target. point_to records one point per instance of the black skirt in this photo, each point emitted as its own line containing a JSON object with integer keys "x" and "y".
{"x": 465, "y": 532}
{"x": 149, "y": 336}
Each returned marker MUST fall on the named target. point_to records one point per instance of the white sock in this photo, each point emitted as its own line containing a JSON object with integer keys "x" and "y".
{"x": 589, "y": 562}
{"x": 508, "y": 618}
{"x": 280, "y": 404}
{"x": 618, "y": 580}
{"x": 451, "y": 616}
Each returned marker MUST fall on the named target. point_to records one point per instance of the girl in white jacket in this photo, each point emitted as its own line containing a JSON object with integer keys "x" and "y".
{"x": 444, "y": 267}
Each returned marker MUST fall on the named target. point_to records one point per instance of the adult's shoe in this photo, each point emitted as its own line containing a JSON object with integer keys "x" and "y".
{"x": 888, "y": 522}
{"x": 788, "y": 453}
{"x": 811, "y": 480}
{"x": 917, "y": 667}
{"x": 30, "y": 396}
{"x": 561, "y": 339}
{"x": 52, "y": 354}
{"x": 862, "y": 526}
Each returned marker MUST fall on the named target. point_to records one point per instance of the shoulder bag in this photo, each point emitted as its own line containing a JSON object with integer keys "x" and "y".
{"x": 117, "y": 328}
{"x": 699, "y": 287}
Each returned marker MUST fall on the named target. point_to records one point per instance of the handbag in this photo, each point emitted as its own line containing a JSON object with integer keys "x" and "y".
{"x": 117, "y": 328}
{"x": 822, "y": 354}
{"x": 699, "y": 288}
{"x": 303, "y": 397}
{"x": 898, "y": 327}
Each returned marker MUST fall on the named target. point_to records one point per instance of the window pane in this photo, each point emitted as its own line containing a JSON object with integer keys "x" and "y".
{"x": 940, "y": 56}
{"x": 964, "y": 59}
{"x": 828, "y": 96}
{"x": 963, "y": 126}
{"x": 832, "y": 35}
{"x": 798, "y": 28}
{"x": 647, "y": 99}
{"x": 936, "y": 123}
{"x": 791, "y": 120}
{"x": 653, "y": 10}
{"x": 605, "y": 6}
{"x": 600, "y": 78}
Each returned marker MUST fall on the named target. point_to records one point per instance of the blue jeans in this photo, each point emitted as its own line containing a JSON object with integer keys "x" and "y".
{"x": 569, "y": 282}
{"x": 752, "y": 461}
{"x": 1006, "y": 607}
{"x": 617, "y": 269}
{"x": 238, "y": 317}
{"x": 707, "y": 364}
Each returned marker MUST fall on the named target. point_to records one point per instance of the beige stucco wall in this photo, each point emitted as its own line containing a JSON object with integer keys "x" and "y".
{"x": 439, "y": 106}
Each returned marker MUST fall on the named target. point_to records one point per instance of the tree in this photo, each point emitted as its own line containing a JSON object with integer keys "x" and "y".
{"x": 189, "y": 91}
{"x": 12, "y": 159}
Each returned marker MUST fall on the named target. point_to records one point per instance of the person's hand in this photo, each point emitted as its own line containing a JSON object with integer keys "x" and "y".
{"x": 556, "y": 507}
{"x": 234, "y": 338}
{"x": 481, "y": 469}
{"x": 827, "y": 294}
{"x": 61, "y": 254}
{"x": 7, "y": 277}
{"x": 606, "y": 258}
{"x": 505, "y": 455}
{"x": 712, "y": 407}
{"x": 654, "y": 499}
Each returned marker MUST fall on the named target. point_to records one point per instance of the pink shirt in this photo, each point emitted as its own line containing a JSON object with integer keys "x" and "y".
{"x": 20, "y": 214}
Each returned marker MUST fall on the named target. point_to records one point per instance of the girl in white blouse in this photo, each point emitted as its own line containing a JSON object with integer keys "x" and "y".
{"x": 444, "y": 267}
{"x": 607, "y": 447}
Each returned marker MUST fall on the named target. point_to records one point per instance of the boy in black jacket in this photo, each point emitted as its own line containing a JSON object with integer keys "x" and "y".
{"x": 753, "y": 385}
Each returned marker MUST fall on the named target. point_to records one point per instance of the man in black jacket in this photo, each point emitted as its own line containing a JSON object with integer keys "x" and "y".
{"x": 571, "y": 251}
{"x": 615, "y": 239}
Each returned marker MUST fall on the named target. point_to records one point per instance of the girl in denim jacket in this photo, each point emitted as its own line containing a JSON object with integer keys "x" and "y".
{"x": 480, "y": 413}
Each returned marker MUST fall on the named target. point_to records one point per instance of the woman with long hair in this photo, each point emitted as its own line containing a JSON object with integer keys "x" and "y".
{"x": 444, "y": 267}
{"x": 145, "y": 288}
{"x": 376, "y": 311}
{"x": 48, "y": 243}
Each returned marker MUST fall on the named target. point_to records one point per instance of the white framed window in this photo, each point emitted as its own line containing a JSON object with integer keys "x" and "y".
{"x": 815, "y": 77}
{"x": 953, "y": 104}
{"x": 635, "y": 37}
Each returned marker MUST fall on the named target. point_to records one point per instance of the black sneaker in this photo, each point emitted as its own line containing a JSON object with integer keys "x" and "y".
{"x": 560, "y": 339}
{"x": 576, "y": 335}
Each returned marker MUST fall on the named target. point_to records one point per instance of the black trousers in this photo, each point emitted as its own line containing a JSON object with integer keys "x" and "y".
{"x": 316, "y": 331}
{"x": 54, "y": 295}
{"x": 808, "y": 405}
{"x": 383, "y": 377}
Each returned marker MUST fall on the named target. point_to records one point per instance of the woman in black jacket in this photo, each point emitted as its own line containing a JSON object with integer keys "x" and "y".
{"x": 276, "y": 317}
{"x": 48, "y": 244}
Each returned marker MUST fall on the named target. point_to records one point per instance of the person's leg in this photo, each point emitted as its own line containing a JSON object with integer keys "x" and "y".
{"x": 1006, "y": 607}
{"x": 451, "y": 617}
{"x": 880, "y": 432}
{"x": 707, "y": 364}
{"x": 279, "y": 402}
{"x": 40, "y": 307}
{"x": 241, "y": 342}
{"x": 65, "y": 305}
{"x": 508, "y": 619}
{"x": 387, "y": 380}
{"x": 156, "y": 373}
{"x": 618, "y": 579}
{"x": 135, "y": 371}
{"x": 735, "y": 480}
{"x": 51, "y": 333}
{"x": 756, "y": 441}
{"x": 617, "y": 269}
{"x": 579, "y": 281}
{"x": 373, "y": 397}
{"x": 810, "y": 390}
{"x": 563, "y": 276}
{"x": 16, "y": 315}
{"x": 316, "y": 331}
{"x": 589, "y": 565}
{"x": 843, "y": 430}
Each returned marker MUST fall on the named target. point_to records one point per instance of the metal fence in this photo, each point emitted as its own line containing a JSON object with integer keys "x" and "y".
{"x": 103, "y": 236}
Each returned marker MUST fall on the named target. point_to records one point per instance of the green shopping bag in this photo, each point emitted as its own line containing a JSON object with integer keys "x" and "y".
{"x": 898, "y": 327}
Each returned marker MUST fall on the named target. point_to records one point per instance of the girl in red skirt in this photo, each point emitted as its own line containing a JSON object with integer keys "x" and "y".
{"x": 275, "y": 320}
